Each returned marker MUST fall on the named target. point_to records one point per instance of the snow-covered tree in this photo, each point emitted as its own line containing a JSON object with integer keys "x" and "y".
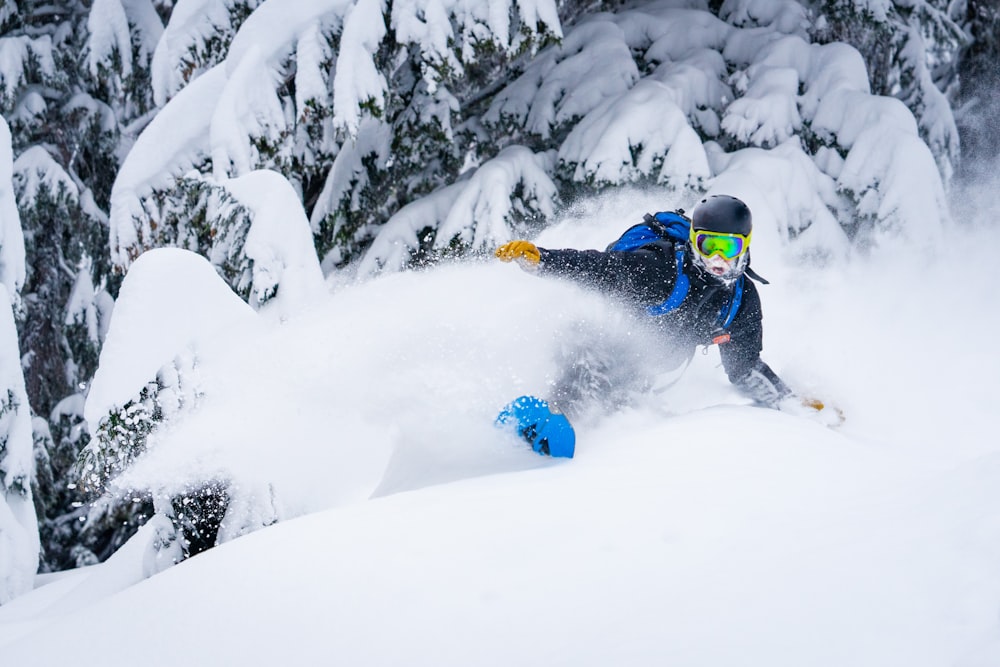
{"x": 11, "y": 236}
{"x": 173, "y": 315}
{"x": 367, "y": 111}
{"x": 681, "y": 85}
{"x": 66, "y": 132}
{"x": 912, "y": 49}
{"x": 266, "y": 135}
{"x": 19, "y": 542}
{"x": 353, "y": 101}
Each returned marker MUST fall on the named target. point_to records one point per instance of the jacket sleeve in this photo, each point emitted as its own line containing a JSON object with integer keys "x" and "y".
{"x": 639, "y": 274}
{"x": 741, "y": 355}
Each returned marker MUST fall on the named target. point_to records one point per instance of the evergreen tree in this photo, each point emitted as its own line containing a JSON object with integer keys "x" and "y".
{"x": 135, "y": 121}
{"x": 358, "y": 109}
{"x": 912, "y": 52}
{"x": 65, "y": 139}
{"x": 19, "y": 541}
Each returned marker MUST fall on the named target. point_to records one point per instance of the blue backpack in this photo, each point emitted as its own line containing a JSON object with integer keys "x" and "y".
{"x": 674, "y": 226}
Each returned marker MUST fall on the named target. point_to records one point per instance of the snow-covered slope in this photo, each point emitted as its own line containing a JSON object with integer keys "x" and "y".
{"x": 690, "y": 529}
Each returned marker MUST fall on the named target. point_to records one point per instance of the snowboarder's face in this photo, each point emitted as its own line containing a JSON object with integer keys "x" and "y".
{"x": 719, "y": 266}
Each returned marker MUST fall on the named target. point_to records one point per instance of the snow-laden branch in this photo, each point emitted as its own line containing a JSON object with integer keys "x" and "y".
{"x": 311, "y": 77}
{"x": 665, "y": 33}
{"x": 766, "y": 114}
{"x": 12, "y": 258}
{"x": 397, "y": 239}
{"x": 633, "y": 136}
{"x": 348, "y": 175}
{"x": 482, "y": 213}
{"x": 247, "y": 107}
{"x": 146, "y": 26}
{"x": 109, "y": 34}
{"x": 34, "y": 169}
{"x": 82, "y": 307}
{"x": 357, "y": 81}
{"x": 274, "y": 28}
{"x": 934, "y": 116}
{"x": 476, "y": 212}
{"x": 783, "y": 16}
{"x": 14, "y": 55}
{"x": 564, "y": 83}
{"x": 448, "y": 32}
{"x": 892, "y": 176}
{"x": 19, "y": 541}
{"x": 174, "y": 142}
{"x": 177, "y": 56}
{"x": 277, "y": 250}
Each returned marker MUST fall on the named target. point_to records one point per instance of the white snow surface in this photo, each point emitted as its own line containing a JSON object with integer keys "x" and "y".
{"x": 690, "y": 528}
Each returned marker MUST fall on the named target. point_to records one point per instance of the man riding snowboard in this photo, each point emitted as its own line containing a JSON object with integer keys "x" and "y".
{"x": 694, "y": 291}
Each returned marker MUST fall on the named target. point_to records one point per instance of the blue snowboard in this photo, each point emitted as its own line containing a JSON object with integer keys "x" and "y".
{"x": 547, "y": 432}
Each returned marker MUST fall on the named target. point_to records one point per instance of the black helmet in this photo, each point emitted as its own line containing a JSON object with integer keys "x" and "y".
{"x": 722, "y": 213}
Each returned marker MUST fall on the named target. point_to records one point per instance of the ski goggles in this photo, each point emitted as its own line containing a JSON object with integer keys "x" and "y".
{"x": 729, "y": 246}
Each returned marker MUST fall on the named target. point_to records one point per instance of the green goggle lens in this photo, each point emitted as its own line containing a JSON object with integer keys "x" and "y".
{"x": 729, "y": 246}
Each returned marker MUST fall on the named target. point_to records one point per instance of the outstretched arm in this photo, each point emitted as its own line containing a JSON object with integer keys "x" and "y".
{"x": 741, "y": 355}
{"x": 640, "y": 274}
{"x": 754, "y": 378}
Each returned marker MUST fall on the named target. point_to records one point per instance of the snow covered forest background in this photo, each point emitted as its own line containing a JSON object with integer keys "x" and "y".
{"x": 297, "y": 145}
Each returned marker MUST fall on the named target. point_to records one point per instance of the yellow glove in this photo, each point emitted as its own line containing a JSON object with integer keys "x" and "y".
{"x": 813, "y": 403}
{"x": 525, "y": 252}
{"x": 831, "y": 415}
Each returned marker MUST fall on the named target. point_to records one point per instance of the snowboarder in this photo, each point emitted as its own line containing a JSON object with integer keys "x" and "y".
{"x": 694, "y": 292}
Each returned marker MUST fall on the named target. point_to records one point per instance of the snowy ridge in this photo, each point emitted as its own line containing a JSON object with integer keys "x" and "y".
{"x": 690, "y": 527}
{"x": 331, "y": 442}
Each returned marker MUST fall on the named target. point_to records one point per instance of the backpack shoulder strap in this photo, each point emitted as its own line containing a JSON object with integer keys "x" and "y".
{"x": 681, "y": 286}
{"x": 639, "y": 235}
{"x": 728, "y": 311}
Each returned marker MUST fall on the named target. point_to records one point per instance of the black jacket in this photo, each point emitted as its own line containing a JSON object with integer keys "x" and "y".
{"x": 646, "y": 277}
